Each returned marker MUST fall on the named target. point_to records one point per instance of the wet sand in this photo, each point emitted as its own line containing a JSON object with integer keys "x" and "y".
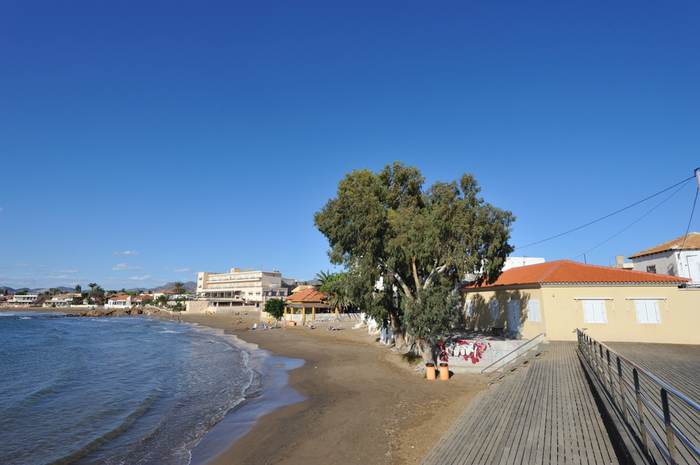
{"x": 364, "y": 403}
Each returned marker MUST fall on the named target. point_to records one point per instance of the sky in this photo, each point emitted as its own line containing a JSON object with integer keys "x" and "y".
{"x": 142, "y": 142}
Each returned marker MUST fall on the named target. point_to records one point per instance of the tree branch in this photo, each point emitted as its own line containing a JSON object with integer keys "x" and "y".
{"x": 433, "y": 274}
{"x": 403, "y": 285}
{"x": 415, "y": 273}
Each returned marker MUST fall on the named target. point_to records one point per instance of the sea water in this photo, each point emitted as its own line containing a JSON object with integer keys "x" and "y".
{"x": 129, "y": 390}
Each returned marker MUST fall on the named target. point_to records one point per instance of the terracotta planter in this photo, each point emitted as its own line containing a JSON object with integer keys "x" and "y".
{"x": 444, "y": 371}
{"x": 430, "y": 370}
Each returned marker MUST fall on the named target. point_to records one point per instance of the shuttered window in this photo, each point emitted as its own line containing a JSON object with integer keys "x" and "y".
{"x": 648, "y": 311}
{"x": 494, "y": 309}
{"x": 594, "y": 311}
{"x": 469, "y": 308}
{"x": 533, "y": 310}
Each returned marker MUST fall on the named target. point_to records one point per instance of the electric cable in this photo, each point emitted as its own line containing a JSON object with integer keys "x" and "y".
{"x": 633, "y": 223}
{"x": 606, "y": 216}
{"x": 687, "y": 230}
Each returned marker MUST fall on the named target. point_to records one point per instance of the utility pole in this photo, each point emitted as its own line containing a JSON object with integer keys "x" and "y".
{"x": 697, "y": 175}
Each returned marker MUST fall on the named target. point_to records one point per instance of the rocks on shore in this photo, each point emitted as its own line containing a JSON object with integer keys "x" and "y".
{"x": 121, "y": 312}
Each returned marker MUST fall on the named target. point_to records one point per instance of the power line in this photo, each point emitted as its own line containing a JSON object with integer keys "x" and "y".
{"x": 607, "y": 216}
{"x": 633, "y": 223}
{"x": 691, "y": 218}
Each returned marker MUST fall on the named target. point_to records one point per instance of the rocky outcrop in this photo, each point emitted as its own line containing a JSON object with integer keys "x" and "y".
{"x": 121, "y": 312}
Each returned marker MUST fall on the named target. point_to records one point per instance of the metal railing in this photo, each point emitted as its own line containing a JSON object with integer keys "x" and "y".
{"x": 514, "y": 354}
{"x": 655, "y": 413}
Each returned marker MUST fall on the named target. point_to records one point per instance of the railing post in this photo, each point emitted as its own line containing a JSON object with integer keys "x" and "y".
{"x": 601, "y": 373}
{"x": 625, "y": 413}
{"x": 610, "y": 378}
{"x": 640, "y": 411}
{"x": 669, "y": 431}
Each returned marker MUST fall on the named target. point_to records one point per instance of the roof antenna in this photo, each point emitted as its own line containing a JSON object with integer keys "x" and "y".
{"x": 584, "y": 259}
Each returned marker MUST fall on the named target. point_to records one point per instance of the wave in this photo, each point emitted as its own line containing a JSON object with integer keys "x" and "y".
{"x": 95, "y": 443}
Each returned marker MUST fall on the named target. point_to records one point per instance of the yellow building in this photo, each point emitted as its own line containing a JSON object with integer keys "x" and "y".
{"x": 611, "y": 304}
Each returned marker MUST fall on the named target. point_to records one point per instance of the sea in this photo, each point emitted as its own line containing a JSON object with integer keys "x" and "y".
{"x": 129, "y": 390}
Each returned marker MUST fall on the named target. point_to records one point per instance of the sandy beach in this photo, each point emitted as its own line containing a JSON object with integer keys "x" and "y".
{"x": 364, "y": 403}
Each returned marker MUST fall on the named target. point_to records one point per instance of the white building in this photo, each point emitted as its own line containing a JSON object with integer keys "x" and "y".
{"x": 679, "y": 257}
{"x": 237, "y": 288}
{"x": 120, "y": 301}
{"x": 27, "y": 299}
{"x": 60, "y": 300}
{"x": 514, "y": 262}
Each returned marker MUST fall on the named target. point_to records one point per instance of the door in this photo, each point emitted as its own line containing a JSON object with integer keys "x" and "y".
{"x": 693, "y": 262}
{"x": 514, "y": 321}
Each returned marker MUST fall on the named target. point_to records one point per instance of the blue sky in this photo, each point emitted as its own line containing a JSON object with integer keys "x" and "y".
{"x": 141, "y": 142}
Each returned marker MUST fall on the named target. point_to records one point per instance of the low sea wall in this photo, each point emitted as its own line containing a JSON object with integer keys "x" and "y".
{"x": 470, "y": 356}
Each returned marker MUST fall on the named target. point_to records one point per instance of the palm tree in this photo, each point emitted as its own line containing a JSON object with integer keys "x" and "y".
{"x": 78, "y": 289}
{"x": 178, "y": 287}
{"x": 322, "y": 278}
{"x": 96, "y": 293}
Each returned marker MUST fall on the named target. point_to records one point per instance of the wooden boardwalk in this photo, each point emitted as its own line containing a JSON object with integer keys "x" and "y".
{"x": 543, "y": 413}
{"x": 679, "y": 367}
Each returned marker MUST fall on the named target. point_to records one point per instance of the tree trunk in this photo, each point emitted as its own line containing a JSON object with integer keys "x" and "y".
{"x": 427, "y": 350}
{"x": 399, "y": 340}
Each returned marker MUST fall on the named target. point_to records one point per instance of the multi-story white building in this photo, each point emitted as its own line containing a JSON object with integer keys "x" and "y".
{"x": 60, "y": 300}
{"x": 26, "y": 299}
{"x": 237, "y": 288}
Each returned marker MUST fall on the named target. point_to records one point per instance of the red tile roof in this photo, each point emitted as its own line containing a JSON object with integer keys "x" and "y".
{"x": 307, "y": 295}
{"x": 120, "y": 297}
{"x": 568, "y": 272}
{"x": 689, "y": 242}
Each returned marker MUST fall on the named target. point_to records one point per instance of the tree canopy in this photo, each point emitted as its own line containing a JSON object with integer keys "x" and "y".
{"x": 405, "y": 248}
{"x": 275, "y": 307}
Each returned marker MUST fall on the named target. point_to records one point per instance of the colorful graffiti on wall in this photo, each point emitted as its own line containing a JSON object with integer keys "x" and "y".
{"x": 468, "y": 350}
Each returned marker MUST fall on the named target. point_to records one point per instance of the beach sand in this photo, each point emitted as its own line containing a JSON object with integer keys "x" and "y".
{"x": 364, "y": 403}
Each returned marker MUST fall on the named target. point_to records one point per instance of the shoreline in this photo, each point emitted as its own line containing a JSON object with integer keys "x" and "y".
{"x": 363, "y": 402}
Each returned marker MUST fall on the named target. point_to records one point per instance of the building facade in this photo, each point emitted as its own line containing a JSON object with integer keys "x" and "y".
{"x": 679, "y": 257}
{"x": 247, "y": 287}
{"x": 611, "y": 304}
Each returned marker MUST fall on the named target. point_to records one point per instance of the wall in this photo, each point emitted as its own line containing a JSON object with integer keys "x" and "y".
{"x": 196, "y": 306}
{"x": 469, "y": 356}
{"x": 665, "y": 262}
{"x": 561, "y": 312}
{"x": 482, "y": 321}
{"x": 680, "y": 314}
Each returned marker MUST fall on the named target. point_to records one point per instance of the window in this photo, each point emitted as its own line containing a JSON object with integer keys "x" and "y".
{"x": 651, "y": 268}
{"x": 533, "y": 310}
{"x": 469, "y": 308}
{"x": 495, "y": 313}
{"x": 648, "y": 311}
{"x": 594, "y": 311}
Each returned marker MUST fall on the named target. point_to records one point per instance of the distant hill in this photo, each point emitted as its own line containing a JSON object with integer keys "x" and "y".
{"x": 190, "y": 286}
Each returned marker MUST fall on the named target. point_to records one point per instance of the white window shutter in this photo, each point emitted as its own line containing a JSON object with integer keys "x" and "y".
{"x": 495, "y": 313}
{"x": 533, "y": 310}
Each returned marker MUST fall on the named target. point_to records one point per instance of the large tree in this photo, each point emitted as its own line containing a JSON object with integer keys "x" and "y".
{"x": 405, "y": 248}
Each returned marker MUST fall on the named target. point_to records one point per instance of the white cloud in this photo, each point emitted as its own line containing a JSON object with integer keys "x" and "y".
{"x": 125, "y": 267}
{"x": 140, "y": 278}
{"x": 25, "y": 265}
{"x": 0, "y": 209}
{"x": 68, "y": 271}
{"x": 127, "y": 252}
{"x": 182, "y": 270}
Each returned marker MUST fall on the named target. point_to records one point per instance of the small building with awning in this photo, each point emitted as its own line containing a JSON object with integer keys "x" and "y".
{"x": 299, "y": 304}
